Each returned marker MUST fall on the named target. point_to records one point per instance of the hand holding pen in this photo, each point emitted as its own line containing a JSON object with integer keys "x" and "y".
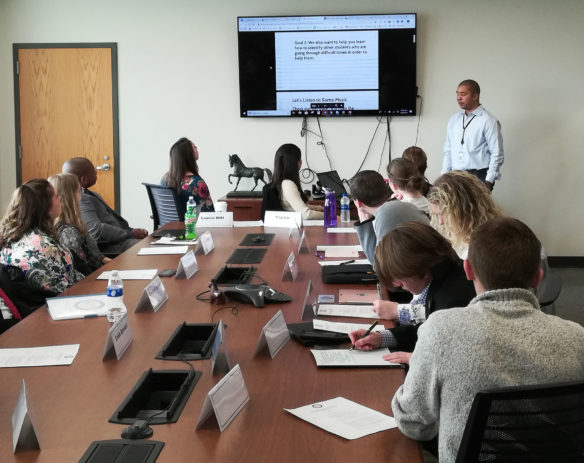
{"x": 361, "y": 334}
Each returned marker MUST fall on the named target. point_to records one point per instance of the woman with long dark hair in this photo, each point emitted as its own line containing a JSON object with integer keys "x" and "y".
{"x": 286, "y": 182}
{"x": 183, "y": 176}
{"x": 28, "y": 240}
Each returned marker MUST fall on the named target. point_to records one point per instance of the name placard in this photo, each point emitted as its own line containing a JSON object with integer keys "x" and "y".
{"x": 220, "y": 352}
{"x": 225, "y": 400}
{"x": 290, "y": 271}
{"x": 274, "y": 334}
{"x": 187, "y": 266}
{"x": 119, "y": 337}
{"x": 282, "y": 219}
{"x": 153, "y": 296}
{"x": 205, "y": 243}
{"x": 23, "y": 434}
{"x": 215, "y": 219}
{"x": 308, "y": 307}
{"x": 303, "y": 244}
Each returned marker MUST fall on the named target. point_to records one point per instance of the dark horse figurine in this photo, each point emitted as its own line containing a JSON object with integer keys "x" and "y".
{"x": 239, "y": 171}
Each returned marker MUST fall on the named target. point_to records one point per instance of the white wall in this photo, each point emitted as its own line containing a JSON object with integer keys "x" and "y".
{"x": 178, "y": 77}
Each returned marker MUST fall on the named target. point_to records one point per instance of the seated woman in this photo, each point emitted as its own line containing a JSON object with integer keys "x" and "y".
{"x": 415, "y": 257}
{"x": 460, "y": 202}
{"x": 183, "y": 177}
{"x": 407, "y": 184}
{"x": 285, "y": 183}
{"x": 28, "y": 241}
{"x": 417, "y": 156}
{"x": 71, "y": 230}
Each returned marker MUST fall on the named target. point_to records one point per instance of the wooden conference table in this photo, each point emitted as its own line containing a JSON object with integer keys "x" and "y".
{"x": 71, "y": 405}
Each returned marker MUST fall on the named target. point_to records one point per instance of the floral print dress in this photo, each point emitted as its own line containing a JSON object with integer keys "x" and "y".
{"x": 195, "y": 186}
{"x": 44, "y": 263}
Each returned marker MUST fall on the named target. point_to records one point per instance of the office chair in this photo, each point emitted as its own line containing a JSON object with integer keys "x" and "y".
{"x": 538, "y": 423}
{"x": 166, "y": 206}
{"x": 548, "y": 291}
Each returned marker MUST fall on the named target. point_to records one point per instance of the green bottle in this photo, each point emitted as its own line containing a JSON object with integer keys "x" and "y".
{"x": 190, "y": 220}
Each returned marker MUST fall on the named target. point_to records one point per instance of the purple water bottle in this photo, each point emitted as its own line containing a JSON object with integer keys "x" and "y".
{"x": 330, "y": 209}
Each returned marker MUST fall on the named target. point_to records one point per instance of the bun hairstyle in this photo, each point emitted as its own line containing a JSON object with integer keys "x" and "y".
{"x": 405, "y": 175}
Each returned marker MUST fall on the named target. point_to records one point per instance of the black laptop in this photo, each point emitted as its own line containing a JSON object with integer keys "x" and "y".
{"x": 332, "y": 181}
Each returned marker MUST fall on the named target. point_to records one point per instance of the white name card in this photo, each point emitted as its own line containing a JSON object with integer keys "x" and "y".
{"x": 215, "y": 219}
{"x": 153, "y": 296}
{"x": 274, "y": 334}
{"x": 205, "y": 243}
{"x": 290, "y": 271}
{"x": 308, "y": 307}
{"x": 119, "y": 337}
{"x": 219, "y": 351}
{"x": 226, "y": 399}
{"x": 303, "y": 244}
{"x": 23, "y": 433}
{"x": 187, "y": 266}
{"x": 282, "y": 219}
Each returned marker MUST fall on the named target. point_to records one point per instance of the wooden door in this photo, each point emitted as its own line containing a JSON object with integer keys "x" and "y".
{"x": 66, "y": 104}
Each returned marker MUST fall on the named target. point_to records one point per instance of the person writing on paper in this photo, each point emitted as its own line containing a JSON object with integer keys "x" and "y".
{"x": 106, "y": 226}
{"x": 28, "y": 240}
{"x": 407, "y": 184}
{"x": 377, "y": 215}
{"x": 502, "y": 338}
{"x": 285, "y": 185}
{"x": 415, "y": 257}
{"x": 183, "y": 176}
{"x": 71, "y": 230}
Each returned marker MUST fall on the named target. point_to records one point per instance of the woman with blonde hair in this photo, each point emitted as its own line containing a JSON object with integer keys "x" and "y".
{"x": 71, "y": 230}
{"x": 459, "y": 203}
{"x": 28, "y": 241}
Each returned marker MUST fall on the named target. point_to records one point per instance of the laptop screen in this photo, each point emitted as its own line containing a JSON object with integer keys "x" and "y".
{"x": 332, "y": 181}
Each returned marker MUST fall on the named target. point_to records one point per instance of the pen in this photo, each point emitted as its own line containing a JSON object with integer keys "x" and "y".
{"x": 348, "y": 262}
{"x": 366, "y": 332}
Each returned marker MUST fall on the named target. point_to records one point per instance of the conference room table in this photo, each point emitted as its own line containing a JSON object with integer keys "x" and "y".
{"x": 70, "y": 405}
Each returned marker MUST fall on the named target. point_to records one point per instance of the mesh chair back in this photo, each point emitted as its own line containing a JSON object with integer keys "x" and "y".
{"x": 526, "y": 424}
{"x": 164, "y": 203}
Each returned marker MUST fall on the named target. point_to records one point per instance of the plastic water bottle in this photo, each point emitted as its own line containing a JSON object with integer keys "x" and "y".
{"x": 330, "y": 209}
{"x": 191, "y": 220}
{"x": 115, "y": 297}
{"x": 345, "y": 206}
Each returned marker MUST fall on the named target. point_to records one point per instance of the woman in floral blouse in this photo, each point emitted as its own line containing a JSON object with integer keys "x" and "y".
{"x": 28, "y": 240}
{"x": 183, "y": 176}
{"x": 72, "y": 231}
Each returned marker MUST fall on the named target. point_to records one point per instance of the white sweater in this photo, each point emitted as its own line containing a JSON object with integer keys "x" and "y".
{"x": 292, "y": 201}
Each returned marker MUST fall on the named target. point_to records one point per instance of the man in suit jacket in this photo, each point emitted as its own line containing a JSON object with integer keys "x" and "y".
{"x": 106, "y": 226}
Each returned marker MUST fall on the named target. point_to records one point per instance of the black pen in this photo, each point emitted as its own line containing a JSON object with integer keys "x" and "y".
{"x": 366, "y": 332}
{"x": 347, "y": 262}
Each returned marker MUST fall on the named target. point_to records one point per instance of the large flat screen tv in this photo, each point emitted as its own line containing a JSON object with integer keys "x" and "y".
{"x": 350, "y": 65}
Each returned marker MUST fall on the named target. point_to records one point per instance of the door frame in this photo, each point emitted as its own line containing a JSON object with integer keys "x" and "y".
{"x": 113, "y": 46}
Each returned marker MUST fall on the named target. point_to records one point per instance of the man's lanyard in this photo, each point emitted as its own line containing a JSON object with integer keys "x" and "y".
{"x": 465, "y": 126}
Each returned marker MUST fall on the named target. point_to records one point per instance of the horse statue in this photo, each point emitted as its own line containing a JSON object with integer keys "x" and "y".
{"x": 239, "y": 171}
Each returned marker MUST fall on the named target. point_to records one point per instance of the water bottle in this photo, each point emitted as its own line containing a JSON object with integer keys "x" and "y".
{"x": 191, "y": 220}
{"x": 330, "y": 209}
{"x": 345, "y": 206}
{"x": 115, "y": 297}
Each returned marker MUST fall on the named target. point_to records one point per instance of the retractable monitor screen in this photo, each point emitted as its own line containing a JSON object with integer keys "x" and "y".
{"x": 353, "y": 65}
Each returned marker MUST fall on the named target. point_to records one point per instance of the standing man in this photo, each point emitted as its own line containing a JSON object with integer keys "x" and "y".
{"x": 473, "y": 137}
{"x": 106, "y": 226}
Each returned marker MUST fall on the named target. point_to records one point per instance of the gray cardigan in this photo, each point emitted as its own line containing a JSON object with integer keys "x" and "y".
{"x": 501, "y": 339}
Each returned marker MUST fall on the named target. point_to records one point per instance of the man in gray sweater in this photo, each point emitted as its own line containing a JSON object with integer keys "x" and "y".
{"x": 501, "y": 339}
{"x": 377, "y": 215}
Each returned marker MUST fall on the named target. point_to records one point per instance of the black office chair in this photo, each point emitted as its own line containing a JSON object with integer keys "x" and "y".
{"x": 543, "y": 423}
{"x": 165, "y": 204}
{"x": 548, "y": 291}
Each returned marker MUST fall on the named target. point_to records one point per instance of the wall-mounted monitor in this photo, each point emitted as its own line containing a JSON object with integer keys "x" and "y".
{"x": 342, "y": 65}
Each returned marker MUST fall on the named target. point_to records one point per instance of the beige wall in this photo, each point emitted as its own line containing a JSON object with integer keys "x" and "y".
{"x": 178, "y": 77}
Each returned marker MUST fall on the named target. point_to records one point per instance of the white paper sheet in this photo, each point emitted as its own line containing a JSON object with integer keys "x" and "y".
{"x": 143, "y": 274}
{"x": 38, "y": 356}
{"x": 352, "y": 358}
{"x": 346, "y": 328}
{"x": 347, "y": 310}
{"x": 344, "y": 262}
{"x": 169, "y": 240}
{"x": 85, "y": 306}
{"x": 351, "y": 247}
{"x": 341, "y": 230}
{"x": 313, "y": 223}
{"x": 157, "y": 250}
{"x": 341, "y": 252}
{"x": 344, "y": 418}
{"x": 247, "y": 223}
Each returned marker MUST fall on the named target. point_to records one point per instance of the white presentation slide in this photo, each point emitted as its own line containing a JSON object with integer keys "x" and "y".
{"x": 297, "y": 101}
{"x": 343, "y": 60}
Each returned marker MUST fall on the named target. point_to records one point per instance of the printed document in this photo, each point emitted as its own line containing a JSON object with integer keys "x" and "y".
{"x": 346, "y": 328}
{"x": 38, "y": 356}
{"x": 351, "y": 358}
{"x": 347, "y": 310}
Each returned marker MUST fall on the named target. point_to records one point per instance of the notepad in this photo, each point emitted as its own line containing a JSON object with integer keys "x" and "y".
{"x": 163, "y": 250}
